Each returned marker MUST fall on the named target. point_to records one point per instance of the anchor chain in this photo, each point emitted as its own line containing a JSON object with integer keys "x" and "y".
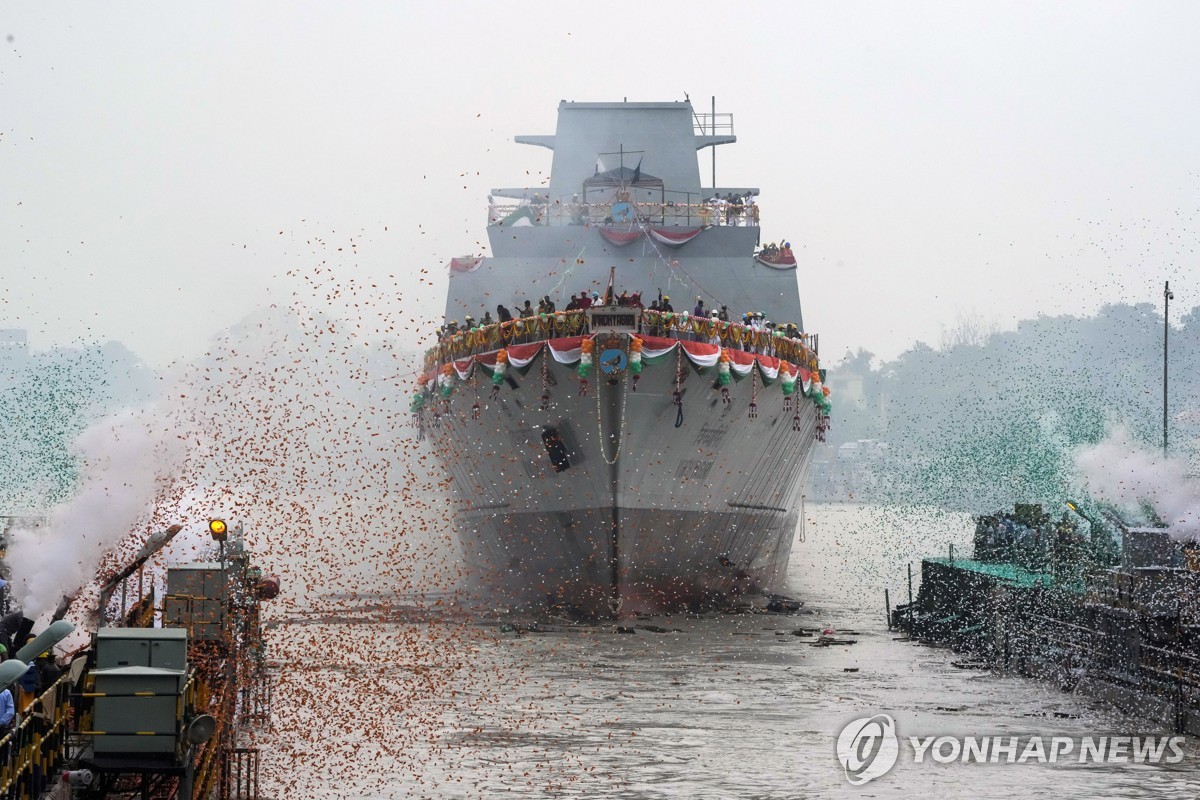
{"x": 753, "y": 411}
{"x": 677, "y": 398}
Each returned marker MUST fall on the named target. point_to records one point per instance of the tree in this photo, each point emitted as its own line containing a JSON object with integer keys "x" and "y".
{"x": 970, "y": 330}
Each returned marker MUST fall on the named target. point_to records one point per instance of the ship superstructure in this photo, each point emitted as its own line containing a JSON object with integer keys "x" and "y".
{"x": 607, "y": 456}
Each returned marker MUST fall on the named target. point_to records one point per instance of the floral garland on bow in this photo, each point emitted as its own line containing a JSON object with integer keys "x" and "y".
{"x": 585, "y": 358}
{"x": 418, "y": 401}
{"x": 723, "y": 376}
{"x": 501, "y": 367}
{"x": 787, "y": 378}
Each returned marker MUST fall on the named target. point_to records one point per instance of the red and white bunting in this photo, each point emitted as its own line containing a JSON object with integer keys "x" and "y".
{"x": 655, "y": 346}
{"x": 769, "y": 366}
{"x": 741, "y": 362}
{"x": 674, "y": 238}
{"x": 522, "y": 355}
{"x": 701, "y": 354}
{"x": 618, "y": 237}
{"x": 465, "y": 264}
{"x": 805, "y": 380}
{"x": 567, "y": 350}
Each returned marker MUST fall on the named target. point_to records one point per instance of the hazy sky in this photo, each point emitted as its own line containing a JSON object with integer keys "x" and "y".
{"x": 164, "y": 166}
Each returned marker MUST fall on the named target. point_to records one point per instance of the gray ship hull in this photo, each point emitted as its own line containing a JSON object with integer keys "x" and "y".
{"x": 648, "y": 517}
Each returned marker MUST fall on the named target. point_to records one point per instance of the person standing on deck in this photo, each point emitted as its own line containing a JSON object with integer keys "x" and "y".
{"x": 8, "y": 712}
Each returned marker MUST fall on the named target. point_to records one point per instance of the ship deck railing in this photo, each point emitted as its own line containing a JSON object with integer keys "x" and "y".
{"x": 800, "y": 350}
{"x": 707, "y": 123}
{"x": 690, "y": 213}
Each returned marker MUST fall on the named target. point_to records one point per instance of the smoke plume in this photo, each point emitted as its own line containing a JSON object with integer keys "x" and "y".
{"x": 1122, "y": 471}
{"x": 126, "y": 460}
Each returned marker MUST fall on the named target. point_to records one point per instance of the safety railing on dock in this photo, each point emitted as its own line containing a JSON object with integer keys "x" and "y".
{"x": 1167, "y": 672}
{"x": 32, "y": 751}
{"x": 239, "y": 773}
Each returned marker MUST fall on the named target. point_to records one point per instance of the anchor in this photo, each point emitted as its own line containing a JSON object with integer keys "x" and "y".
{"x": 725, "y": 395}
{"x": 475, "y": 410}
{"x": 583, "y": 387}
{"x": 545, "y": 402}
{"x": 753, "y": 410}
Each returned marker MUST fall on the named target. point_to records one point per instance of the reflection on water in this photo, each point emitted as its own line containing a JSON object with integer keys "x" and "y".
{"x": 390, "y": 704}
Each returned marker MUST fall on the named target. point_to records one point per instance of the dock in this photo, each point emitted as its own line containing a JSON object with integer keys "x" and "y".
{"x": 1121, "y": 624}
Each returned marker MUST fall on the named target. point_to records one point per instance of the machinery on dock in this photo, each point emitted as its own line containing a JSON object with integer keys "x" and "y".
{"x": 153, "y": 712}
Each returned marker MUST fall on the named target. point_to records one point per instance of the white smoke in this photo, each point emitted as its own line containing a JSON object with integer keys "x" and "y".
{"x": 290, "y": 430}
{"x": 122, "y": 463}
{"x": 1122, "y": 471}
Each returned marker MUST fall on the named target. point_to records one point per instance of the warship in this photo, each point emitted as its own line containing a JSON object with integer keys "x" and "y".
{"x": 606, "y": 453}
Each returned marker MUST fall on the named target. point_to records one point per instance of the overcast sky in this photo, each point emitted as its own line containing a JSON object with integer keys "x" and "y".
{"x": 164, "y": 166}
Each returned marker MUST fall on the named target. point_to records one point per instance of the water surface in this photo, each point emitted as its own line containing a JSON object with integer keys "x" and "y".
{"x": 411, "y": 697}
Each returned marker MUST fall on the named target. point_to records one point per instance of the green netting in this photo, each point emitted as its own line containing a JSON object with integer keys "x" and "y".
{"x": 1013, "y": 573}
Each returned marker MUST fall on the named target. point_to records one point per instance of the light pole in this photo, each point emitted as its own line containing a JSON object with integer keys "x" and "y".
{"x": 1168, "y": 296}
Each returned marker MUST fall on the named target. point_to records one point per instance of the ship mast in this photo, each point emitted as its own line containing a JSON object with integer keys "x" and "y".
{"x": 712, "y": 121}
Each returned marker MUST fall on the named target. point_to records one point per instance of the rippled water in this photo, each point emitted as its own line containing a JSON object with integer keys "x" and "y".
{"x": 409, "y": 699}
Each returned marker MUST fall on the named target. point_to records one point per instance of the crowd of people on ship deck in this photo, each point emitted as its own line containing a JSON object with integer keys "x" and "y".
{"x": 753, "y": 320}
{"x": 780, "y": 252}
{"x": 732, "y": 209}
